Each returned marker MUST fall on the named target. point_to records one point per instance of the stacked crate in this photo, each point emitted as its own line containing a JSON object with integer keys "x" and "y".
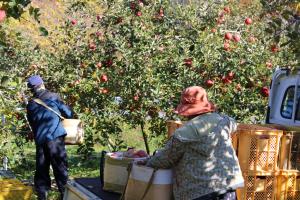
{"x": 257, "y": 151}
{"x": 288, "y": 181}
{"x": 269, "y": 156}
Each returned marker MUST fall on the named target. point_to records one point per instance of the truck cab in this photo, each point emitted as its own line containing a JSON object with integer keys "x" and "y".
{"x": 284, "y": 99}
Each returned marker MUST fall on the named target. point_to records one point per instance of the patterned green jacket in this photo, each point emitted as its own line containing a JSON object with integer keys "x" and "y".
{"x": 202, "y": 156}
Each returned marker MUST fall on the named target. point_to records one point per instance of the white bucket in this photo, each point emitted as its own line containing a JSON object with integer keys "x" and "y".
{"x": 140, "y": 176}
{"x": 115, "y": 171}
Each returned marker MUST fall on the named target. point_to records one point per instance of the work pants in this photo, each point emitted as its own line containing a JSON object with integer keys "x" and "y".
{"x": 53, "y": 153}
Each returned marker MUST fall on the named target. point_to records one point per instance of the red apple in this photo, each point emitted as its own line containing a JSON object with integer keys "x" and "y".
{"x": 138, "y": 13}
{"x": 141, "y": 153}
{"x": 132, "y": 5}
{"x": 221, "y": 14}
{"x": 103, "y": 90}
{"x": 76, "y": 82}
{"x": 73, "y": 21}
{"x": 225, "y": 80}
{"x": 119, "y": 20}
{"x": 188, "y": 62}
{"x": 228, "y": 36}
{"x": 98, "y": 33}
{"x": 99, "y": 17}
{"x": 141, "y": 3}
{"x": 18, "y": 116}
{"x": 274, "y": 48}
{"x": 236, "y": 37}
{"x": 226, "y": 46}
{"x": 265, "y": 91}
{"x": 103, "y": 78}
{"x": 230, "y": 75}
{"x": 209, "y": 83}
{"x": 2, "y": 15}
{"x": 248, "y": 21}
{"x": 269, "y": 65}
{"x": 213, "y": 30}
{"x": 161, "y": 12}
{"x": 220, "y": 20}
{"x": 227, "y": 9}
{"x": 99, "y": 65}
{"x": 136, "y": 97}
{"x": 92, "y": 46}
{"x": 108, "y": 63}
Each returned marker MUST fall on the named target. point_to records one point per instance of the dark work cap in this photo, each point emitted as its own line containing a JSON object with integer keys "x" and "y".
{"x": 34, "y": 81}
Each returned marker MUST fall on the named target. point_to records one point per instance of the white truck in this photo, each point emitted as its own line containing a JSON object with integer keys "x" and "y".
{"x": 283, "y": 112}
{"x": 284, "y": 100}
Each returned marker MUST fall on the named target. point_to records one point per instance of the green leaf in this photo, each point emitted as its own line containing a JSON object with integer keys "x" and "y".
{"x": 278, "y": 21}
{"x": 287, "y": 14}
{"x": 35, "y": 13}
{"x": 269, "y": 30}
{"x": 43, "y": 31}
{"x": 286, "y": 43}
{"x": 4, "y": 80}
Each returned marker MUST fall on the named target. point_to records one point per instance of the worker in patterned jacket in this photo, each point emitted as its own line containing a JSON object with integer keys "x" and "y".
{"x": 48, "y": 136}
{"x": 200, "y": 152}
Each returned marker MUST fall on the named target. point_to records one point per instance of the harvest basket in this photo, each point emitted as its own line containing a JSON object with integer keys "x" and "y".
{"x": 258, "y": 148}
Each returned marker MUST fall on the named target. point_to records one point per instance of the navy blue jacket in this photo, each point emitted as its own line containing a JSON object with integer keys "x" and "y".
{"x": 46, "y": 124}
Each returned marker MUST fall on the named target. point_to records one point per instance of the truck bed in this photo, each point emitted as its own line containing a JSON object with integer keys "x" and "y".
{"x": 88, "y": 189}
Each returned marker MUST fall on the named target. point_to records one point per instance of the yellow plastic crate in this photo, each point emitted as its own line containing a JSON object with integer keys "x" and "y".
{"x": 13, "y": 189}
{"x": 172, "y": 126}
{"x": 258, "y": 148}
{"x": 290, "y": 152}
{"x": 288, "y": 185}
{"x": 258, "y": 186}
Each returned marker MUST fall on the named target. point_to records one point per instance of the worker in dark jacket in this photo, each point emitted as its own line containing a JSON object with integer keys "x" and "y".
{"x": 49, "y": 137}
